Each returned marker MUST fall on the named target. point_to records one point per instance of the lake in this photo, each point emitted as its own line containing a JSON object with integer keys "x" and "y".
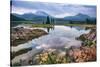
{"x": 59, "y": 37}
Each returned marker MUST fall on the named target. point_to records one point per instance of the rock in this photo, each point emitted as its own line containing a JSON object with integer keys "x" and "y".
{"x": 90, "y": 36}
{"x": 21, "y": 35}
{"x": 87, "y": 52}
{"x": 89, "y": 39}
{"x": 22, "y": 51}
{"x": 83, "y": 54}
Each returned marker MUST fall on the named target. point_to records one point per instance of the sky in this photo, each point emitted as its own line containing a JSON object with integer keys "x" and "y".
{"x": 84, "y": 2}
{"x": 56, "y": 8}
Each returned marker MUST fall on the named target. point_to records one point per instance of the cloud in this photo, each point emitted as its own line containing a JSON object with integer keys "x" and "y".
{"x": 20, "y": 10}
{"x": 82, "y": 2}
{"x": 56, "y": 9}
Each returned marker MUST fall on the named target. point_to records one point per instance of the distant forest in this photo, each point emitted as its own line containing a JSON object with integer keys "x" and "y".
{"x": 49, "y": 20}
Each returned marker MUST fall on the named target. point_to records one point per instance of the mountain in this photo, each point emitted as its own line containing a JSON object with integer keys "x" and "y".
{"x": 78, "y": 17}
{"x": 39, "y": 15}
{"x": 14, "y": 18}
{"x": 59, "y": 10}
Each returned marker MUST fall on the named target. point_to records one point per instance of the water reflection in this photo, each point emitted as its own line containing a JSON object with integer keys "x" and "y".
{"x": 59, "y": 37}
{"x": 50, "y": 28}
{"x": 78, "y": 27}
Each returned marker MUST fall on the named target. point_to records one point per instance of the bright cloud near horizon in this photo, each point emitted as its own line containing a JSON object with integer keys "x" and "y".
{"x": 54, "y": 7}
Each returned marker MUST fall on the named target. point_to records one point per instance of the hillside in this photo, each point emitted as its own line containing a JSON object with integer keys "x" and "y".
{"x": 15, "y": 20}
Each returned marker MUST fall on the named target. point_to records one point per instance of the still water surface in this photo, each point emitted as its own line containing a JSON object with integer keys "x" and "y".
{"x": 58, "y": 37}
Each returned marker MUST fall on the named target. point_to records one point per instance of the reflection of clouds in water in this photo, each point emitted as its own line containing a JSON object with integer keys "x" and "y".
{"x": 61, "y": 36}
{"x": 59, "y": 42}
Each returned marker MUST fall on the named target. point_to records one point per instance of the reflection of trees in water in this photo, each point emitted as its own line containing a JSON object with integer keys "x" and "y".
{"x": 71, "y": 26}
{"x": 78, "y": 27}
{"x": 51, "y": 22}
{"x": 50, "y": 28}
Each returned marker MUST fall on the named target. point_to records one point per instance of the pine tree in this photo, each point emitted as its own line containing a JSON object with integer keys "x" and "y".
{"x": 48, "y": 20}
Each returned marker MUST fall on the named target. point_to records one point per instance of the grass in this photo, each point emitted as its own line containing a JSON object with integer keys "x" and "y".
{"x": 42, "y": 25}
{"x": 49, "y": 25}
{"x": 84, "y": 25}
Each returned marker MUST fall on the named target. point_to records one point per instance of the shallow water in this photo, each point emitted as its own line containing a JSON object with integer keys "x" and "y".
{"x": 59, "y": 37}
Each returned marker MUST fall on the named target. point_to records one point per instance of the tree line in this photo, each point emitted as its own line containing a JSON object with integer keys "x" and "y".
{"x": 87, "y": 21}
{"x": 49, "y": 20}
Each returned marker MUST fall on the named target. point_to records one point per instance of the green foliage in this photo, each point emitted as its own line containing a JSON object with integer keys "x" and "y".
{"x": 93, "y": 21}
{"x": 89, "y": 42}
{"x": 15, "y": 18}
{"x": 71, "y": 22}
{"x": 42, "y": 25}
{"x": 43, "y": 22}
{"x": 52, "y": 58}
{"x": 48, "y": 20}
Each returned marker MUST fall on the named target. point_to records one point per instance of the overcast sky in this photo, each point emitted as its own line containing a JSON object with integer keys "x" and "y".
{"x": 85, "y": 2}
{"x": 54, "y": 7}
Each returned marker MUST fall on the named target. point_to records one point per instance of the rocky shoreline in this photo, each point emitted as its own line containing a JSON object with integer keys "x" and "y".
{"x": 82, "y": 54}
{"x": 85, "y": 53}
{"x": 21, "y": 35}
{"x": 22, "y": 51}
